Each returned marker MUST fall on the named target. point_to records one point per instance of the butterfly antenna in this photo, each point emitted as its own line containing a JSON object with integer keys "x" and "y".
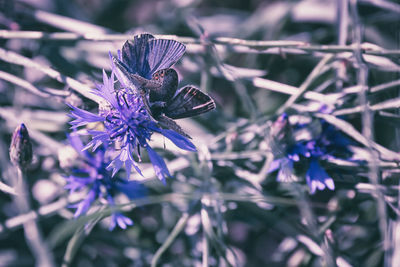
{"x": 138, "y": 152}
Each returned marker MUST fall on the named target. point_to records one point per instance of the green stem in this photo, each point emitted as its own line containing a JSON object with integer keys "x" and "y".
{"x": 205, "y": 250}
{"x": 172, "y": 236}
{"x": 32, "y": 231}
{"x": 14, "y": 58}
{"x": 253, "y": 45}
{"x": 306, "y": 84}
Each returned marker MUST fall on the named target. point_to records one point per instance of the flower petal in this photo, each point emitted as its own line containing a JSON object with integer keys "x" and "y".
{"x": 317, "y": 178}
{"x": 159, "y": 166}
{"x": 82, "y": 117}
{"x": 178, "y": 139}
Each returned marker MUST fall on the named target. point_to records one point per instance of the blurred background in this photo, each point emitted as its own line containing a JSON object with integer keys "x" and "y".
{"x": 222, "y": 203}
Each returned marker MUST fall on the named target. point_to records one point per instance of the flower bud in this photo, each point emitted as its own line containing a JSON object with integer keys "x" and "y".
{"x": 21, "y": 147}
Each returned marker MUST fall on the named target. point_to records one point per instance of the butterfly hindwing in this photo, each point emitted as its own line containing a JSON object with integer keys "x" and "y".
{"x": 188, "y": 101}
{"x": 168, "y": 78}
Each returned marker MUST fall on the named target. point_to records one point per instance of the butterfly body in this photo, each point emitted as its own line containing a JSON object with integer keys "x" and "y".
{"x": 145, "y": 69}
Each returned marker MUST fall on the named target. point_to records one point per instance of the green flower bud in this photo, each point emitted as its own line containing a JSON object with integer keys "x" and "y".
{"x": 21, "y": 147}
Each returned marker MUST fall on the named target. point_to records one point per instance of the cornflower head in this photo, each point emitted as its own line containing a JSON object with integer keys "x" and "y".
{"x": 307, "y": 143}
{"x": 128, "y": 127}
{"x": 93, "y": 177}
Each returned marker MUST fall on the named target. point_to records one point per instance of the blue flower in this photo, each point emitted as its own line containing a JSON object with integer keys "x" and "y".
{"x": 325, "y": 144}
{"x": 317, "y": 178}
{"x": 128, "y": 127}
{"x": 92, "y": 175}
{"x": 120, "y": 220}
{"x": 285, "y": 167}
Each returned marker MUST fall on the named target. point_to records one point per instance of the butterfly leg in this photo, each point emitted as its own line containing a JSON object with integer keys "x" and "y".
{"x": 143, "y": 95}
{"x": 158, "y": 104}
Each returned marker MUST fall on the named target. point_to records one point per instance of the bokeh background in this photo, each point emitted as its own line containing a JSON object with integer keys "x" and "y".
{"x": 225, "y": 208}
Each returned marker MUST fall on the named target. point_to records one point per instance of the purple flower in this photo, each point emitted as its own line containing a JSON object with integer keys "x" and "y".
{"x": 127, "y": 126}
{"x": 326, "y": 143}
{"x": 285, "y": 169}
{"x": 93, "y": 177}
{"x": 120, "y": 220}
{"x": 317, "y": 178}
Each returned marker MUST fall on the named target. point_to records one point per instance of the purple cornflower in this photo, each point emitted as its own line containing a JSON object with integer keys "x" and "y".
{"x": 92, "y": 175}
{"x": 323, "y": 144}
{"x": 128, "y": 127}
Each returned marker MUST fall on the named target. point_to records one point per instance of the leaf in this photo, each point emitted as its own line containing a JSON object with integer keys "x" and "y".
{"x": 76, "y": 240}
{"x": 70, "y": 227}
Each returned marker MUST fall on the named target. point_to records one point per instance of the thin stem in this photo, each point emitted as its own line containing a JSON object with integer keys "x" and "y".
{"x": 235, "y": 45}
{"x": 310, "y": 95}
{"x": 14, "y": 58}
{"x": 205, "y": 250}
{"x": 77, "y": 239}
{"x": 388, "y": 104}
{"x": 347, "y": 128}
{"x": 384, "y": 86}
{"x": 303, "y": 204}
{"x": 72, "y": 246}
{"x": 42, "y": 92}
{"x": 14, "y": 118}
{"x": 7, "y": 189}
{"x": 342, "y": 21}
{"x": 305, "y": 85}
{"x": 44, "y": 211}
{"x": 33, "y": 234}
{"x": 172, "y": 236}
{"x": 367, "y": 125}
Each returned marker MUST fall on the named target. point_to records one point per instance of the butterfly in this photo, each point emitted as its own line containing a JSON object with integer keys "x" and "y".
{"x": 147, "y": 56}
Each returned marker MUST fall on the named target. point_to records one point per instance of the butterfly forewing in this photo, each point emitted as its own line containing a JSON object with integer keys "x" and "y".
{"x": 189, "y": 101}
{"x": 133, "y": 82}
{"x": 135, "y": 54}
{"x": 123, "y": 74}
{"x": 162, "y": 53}
{"x": 146, "y": 55}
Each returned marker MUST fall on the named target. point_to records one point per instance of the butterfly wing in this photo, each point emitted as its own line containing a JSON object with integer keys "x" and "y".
{"x": 169, "y": 80}
{"x": 145, "y": 55}
{"x": 163, "y": 53}
{"x": 188, "y": 101}
{"x": 133, "y": 82}
{"x": 135, "y": 54}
